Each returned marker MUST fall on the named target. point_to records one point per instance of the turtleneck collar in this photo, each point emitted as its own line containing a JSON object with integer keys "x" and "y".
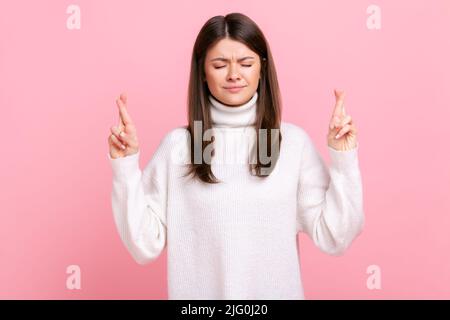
{"x": 237, "y": 116}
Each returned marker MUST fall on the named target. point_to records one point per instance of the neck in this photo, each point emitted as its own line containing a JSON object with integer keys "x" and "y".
{"x": 243, "y": 115}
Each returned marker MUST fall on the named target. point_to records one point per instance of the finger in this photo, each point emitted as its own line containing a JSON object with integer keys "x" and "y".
{"x": 346, "y": 120}
{"x": 119, "y": 134}
{"x": 123, "y": 137}
{"x": 335, "y": 120}
{"x": 121, "y": 124}
{"x": 338, "y": 111}
{"x": 123, "y": 96}
{"x": 117, "y": 142}
{"x": 124, "y": 115}
{"x": 343, "y": 131}
{"x": 339, "y": 106}
{"x": 112, "y": 143}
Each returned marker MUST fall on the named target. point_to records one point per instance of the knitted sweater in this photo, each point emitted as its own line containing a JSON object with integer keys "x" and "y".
{"x": 236, "y": 239}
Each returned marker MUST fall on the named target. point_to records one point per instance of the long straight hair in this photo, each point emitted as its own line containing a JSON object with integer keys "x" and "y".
{"x": 238, "y": 27}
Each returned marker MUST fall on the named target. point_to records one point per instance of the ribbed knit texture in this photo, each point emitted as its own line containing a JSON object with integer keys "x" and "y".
{"x": 236, "y": 239}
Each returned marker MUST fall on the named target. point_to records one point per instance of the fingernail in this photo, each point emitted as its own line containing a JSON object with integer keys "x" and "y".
{"x": 123, "y": 147}
{"x": 122, "y": 134}
{"x": 337, "y": 136}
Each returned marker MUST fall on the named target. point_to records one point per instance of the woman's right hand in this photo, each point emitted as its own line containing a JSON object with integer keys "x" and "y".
{"x": 123, "y": 138}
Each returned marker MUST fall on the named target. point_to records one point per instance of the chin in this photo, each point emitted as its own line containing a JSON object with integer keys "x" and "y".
{"x": 236, "y": 98}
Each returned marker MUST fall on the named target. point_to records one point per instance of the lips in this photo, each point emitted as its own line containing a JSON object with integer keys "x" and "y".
{"x": 234, "y": 87}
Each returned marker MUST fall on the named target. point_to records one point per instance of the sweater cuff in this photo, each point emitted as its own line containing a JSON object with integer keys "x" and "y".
{"x": 344, "y": 161}
{"x": 125, "y": 166}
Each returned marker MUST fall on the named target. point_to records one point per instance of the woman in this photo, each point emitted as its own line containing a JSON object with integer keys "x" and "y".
{"x": 231, "y": 227}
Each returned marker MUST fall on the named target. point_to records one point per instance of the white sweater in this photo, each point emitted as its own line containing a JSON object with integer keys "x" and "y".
{"x": 236, "y": 239}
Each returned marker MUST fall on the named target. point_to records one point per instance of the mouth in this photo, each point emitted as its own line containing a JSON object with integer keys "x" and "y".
{"x": 234, "y": 89}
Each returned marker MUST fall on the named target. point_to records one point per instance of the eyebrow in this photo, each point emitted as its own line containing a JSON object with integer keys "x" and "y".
{"x": 223, "y": 59}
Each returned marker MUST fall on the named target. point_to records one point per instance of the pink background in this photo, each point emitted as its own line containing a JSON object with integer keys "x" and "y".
{"x": 58, "y": 88}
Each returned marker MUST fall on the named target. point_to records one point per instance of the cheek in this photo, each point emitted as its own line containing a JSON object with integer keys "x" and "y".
{"x": 212, "y": 79}
{"x": 252, "y": 76}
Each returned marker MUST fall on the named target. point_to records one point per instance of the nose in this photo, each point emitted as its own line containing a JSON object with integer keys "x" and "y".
{"x": 233, "y": 74}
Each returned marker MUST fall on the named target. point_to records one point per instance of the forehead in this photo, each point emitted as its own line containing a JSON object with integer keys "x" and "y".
{"x": 228, "y": 48}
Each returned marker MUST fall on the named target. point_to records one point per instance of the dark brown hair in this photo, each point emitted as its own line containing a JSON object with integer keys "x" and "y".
{"x": 238, "y": 27}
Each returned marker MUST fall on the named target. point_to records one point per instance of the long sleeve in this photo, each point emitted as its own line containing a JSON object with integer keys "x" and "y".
{"x": 330, "y": 200}
{"x": 138, "y": 201}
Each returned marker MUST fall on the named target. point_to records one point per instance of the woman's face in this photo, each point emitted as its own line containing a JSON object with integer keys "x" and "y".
{"x": 228, "y": 64}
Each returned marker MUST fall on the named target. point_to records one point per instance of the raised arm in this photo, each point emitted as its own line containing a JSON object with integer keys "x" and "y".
{"x": 139, "y": 208}
{"x": 330, "y": 200}
{"x": 138, "y": 198}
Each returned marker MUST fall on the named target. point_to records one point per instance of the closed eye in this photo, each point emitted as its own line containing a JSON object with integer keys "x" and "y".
{"x": 244, "y": 65}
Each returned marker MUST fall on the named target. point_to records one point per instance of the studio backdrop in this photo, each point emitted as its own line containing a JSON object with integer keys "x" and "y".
{"x": 64, "y": 63}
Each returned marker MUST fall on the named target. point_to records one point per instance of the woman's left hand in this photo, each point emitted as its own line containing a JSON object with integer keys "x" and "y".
{"x": 341, "y": 125}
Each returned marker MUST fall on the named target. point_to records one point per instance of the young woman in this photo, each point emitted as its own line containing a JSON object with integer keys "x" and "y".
{"x": 230, "y": 225}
